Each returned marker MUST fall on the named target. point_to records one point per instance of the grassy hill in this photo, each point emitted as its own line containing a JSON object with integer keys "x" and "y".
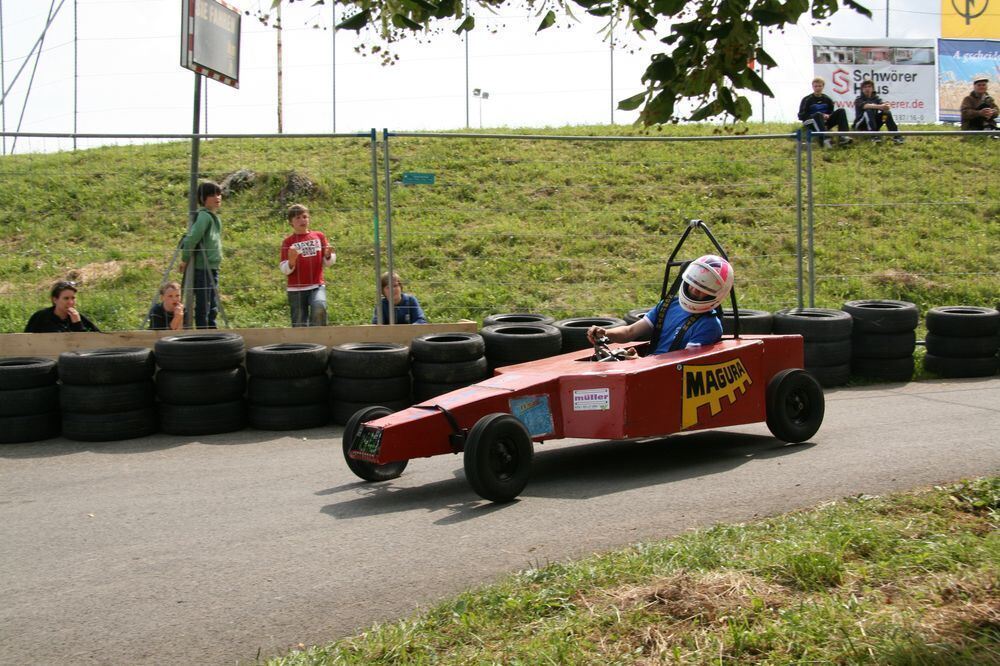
{"x": 575, "y": 227}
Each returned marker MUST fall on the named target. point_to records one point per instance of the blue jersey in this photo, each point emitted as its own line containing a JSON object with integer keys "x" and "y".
{"x": 407, "y": 312}
{"x": 706, "y": 330}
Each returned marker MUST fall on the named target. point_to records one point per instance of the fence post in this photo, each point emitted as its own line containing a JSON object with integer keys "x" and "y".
{"x": 798, "y": 212}
{"x": 378, "y": 248}
{"x": 809, "y": 208}
{"x": 388, "y": 223}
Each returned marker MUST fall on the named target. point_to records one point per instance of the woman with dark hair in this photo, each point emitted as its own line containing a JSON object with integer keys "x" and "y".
{"x": 63, "y": 316}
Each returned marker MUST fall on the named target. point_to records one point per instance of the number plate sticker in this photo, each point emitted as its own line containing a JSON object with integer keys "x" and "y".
{"x": 367, "y": 444}
{"x": 534, "y": 412}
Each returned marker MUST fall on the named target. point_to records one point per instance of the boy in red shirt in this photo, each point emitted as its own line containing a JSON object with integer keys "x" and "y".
{"x": 303, "y": 256}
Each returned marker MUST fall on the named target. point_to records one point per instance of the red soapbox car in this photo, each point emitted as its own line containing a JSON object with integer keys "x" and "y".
{"x": 602, "y": 394}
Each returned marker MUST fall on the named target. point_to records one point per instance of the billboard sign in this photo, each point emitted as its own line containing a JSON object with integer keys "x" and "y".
{"x": 969, "y": 19}
{"x": 962, "y": 61}
{"x": 902, "y": 69}
{"x": 210, "y": 40}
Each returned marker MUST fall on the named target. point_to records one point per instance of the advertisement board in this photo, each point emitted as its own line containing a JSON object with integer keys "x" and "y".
{"x": 969, "y": 19}
{"x": 903, "y": 71}
{"x": 962, "y": 61}
{"x": 210, "y": 40}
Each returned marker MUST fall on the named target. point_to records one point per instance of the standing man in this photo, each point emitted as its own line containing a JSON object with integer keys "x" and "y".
{"x": 979, "y": 110}
{"x": 817, "y": 113}
{"x": 204, "y": 239}
{"x": 870, "y": 112}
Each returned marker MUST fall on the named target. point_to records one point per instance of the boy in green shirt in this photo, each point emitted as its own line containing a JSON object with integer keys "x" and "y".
{"x": 204, "y": 239}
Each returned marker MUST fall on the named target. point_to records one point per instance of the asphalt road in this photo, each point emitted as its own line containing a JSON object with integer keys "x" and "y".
{"x": 170, "y": 551}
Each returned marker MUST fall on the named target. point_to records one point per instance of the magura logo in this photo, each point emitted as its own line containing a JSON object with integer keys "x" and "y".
{"x": 841, "y": 81}
{"x": 968, "y": 10}
{"x": 708, "y": 384}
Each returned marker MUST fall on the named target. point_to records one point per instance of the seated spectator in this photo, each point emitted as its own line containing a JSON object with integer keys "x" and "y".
{"x": 63, "y": 316}
{"x": 168, "y": 314}
{"x": 979, "y": 110}
{"x": 870, "y": 112}
{"x": 405, "y": 306}
{"x": 817, "y": 113}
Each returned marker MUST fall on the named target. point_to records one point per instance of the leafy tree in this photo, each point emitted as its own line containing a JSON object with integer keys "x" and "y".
{"x": 709, "y": 45}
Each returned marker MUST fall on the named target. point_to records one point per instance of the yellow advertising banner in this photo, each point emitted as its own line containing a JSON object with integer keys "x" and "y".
{"x": 968, "y": 19}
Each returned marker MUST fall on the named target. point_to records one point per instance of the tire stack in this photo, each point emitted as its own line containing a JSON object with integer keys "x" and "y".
{"x": 752, "y": 322}
{"x": 574, "y": 330}
{"x": 366, "y": 374}
{"x": 517, "y": 318}
{"x": 201, "y": 383}
{"x": 288, "y": 388}
{"x": 443, "y": 362}
{"x": 883, "y": 338}
{"x": 29, "y": 399}
{"x": 962, "y": 341}
{"x": 107, "y": 394}
{"x": 509, "y": 344}
{"x": 827, "y": 336}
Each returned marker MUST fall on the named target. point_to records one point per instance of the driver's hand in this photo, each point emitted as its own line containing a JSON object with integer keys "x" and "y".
{"x": 595, "y": 332}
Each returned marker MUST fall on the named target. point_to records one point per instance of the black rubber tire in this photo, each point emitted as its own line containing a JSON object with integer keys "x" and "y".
{"x": 372, "y": 390}
{"x": 109, "y": 427}
{"x": 108, "y": 365}
{"x": 963, "y": 321}
{"x": 180, "y": 387}
{"x": 200, "y": 351}
{"x": 752, "y": 322}
{"x": 423, "y": 391}
{"x": 342, "y": 410}
{"x": 516, "y": 343}
{"x": 362, "y": 469}
{"x": 883, "y": 345}
{"x": 282, "y": 392}
{"x": 953, "y": 347}
{"x": 288, "y": 417}
{"x": 204, "y": 419}
{"x": 574, "y": 330}
{"x": 830, "y": 375}
{"x": 447, "y": 347}
{"x": 497, "y": 457}
{"x": 813, "y": 324}
{"x": 834, "y": 352}
{"x": 517, "y": 318}
{"x": 28, "y": 401}
{"x": 961, "y": 367}
{"x": 635, "y": 315}
{"x": 107, "y": 398}
{"x": 21, "y": 372}
{"x": 888, "y": 369}
{"x": 29, "y": 427}
{"x": 882, "y": 316}
{"x": 795, "y": 405}
{"x": 451, "y": 373}
{"x": 286, "y": 360}
{"x": 369, "y": 360}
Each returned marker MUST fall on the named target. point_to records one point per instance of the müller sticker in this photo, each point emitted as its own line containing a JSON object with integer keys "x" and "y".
{"x": 588, "y": 400}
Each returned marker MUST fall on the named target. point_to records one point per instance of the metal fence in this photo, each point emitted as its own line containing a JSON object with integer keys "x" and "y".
{"x": 510, "y": 222}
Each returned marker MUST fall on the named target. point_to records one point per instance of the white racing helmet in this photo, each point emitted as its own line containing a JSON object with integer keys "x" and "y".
{"x": 711, "y": 275}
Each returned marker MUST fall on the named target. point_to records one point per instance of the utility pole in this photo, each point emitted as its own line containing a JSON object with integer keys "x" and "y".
{"x": 334, "y": 68}
{"x": 278, "y": 28}
{"x": 76, "y": 72}
{"x": 887, "y": 19}
{"x": 466, "y": 69}
{"x": 612, "y": 87}
{"x": 3, "y": 81}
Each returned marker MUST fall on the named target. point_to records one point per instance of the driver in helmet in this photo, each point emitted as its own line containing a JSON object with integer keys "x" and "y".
{"x": 691, "y": 318}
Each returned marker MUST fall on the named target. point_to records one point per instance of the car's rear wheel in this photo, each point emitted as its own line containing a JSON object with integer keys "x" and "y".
{"x": 795, "y": 405}
{"x": 367, "y": 470}
{"x": 497, "y": 458}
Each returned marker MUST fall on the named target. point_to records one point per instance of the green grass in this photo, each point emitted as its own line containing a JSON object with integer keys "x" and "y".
{"x": 910, "y": 579}
{"x": 567, "y": 228}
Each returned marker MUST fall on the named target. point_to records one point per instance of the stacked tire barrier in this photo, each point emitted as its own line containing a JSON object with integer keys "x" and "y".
{"x": 443, "y": 362}
{"x": 107, "y": 394}
{"x": 962, "y": 341}
{"x": 827, "y": 336}
{"x": 883, "y": 338}
{"x": 366, "y": 374}
{"x": 574, "y": 330}
{"x": 288, "y": 388}
{"x": 509, "y": 344}
{"x": 201, "y": 383}
{"x": 752, "y": 322}
{"x": 29, "y": 399}
{"x": 517, "y": 318}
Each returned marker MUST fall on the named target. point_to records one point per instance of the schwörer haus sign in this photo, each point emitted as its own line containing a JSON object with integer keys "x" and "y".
{"x": 903, "y": 70}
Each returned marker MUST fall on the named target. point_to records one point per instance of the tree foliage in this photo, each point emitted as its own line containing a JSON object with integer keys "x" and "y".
{"x": 709, "y": 46}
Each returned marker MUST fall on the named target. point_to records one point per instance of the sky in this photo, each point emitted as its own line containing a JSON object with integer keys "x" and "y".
{"x": 129, "y": 79}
